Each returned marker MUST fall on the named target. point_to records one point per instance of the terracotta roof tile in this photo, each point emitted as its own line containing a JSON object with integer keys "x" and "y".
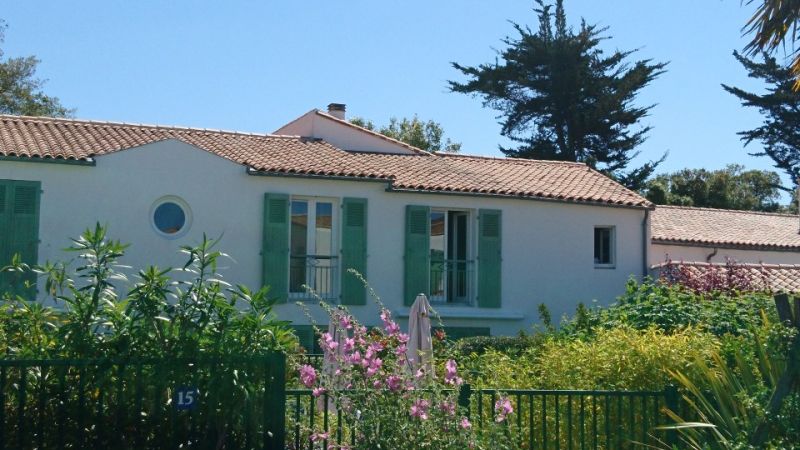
{"x": 36, "y": 137}
{"x": 768, "y": 277}
{"x": 725, "y": 228}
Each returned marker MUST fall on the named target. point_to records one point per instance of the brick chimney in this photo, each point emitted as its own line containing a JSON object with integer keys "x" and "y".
{"x": 337, "y": 110}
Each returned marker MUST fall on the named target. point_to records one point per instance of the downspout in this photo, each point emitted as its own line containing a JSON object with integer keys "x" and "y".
{"x": 645, "y": 244}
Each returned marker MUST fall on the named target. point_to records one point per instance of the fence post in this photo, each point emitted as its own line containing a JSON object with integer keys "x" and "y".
{"x": 671, "y": 401}
{"x": 275, "y": 402}
{"x": 464, "y": 393}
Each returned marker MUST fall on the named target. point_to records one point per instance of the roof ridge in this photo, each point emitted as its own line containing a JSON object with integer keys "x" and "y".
{"x": 721, "y": 264}
{"x": 507, "y": 158}
{"x": 739, "y": 211}
{"x": 47, "y": 119}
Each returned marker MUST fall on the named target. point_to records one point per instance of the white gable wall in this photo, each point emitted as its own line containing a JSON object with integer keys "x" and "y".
{"x": 547, "y": 247}
{"x": 340, "y": 135}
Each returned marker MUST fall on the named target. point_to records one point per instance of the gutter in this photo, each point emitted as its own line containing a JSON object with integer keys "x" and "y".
{"x": 36, "y": 159}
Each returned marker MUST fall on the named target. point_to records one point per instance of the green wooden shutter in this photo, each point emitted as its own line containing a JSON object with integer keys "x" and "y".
{"x": 417, "y": 252}
{"x": 19, "y": 226}
{"x": 5, "y": 232}
{"x": 354, "y": 250}
{"x": 275, "y": 245}
{"x": 489, "y": 258}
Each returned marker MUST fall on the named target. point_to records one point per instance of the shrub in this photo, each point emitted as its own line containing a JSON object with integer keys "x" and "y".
{"x": 671, "y": 308}
{"x": 389, "y": 403}
{"x": 620, "y": 358}
{"x": 161, "y": 317}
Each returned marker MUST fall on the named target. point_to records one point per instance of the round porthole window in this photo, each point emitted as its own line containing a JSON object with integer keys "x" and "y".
{"x": 171, "y": 217}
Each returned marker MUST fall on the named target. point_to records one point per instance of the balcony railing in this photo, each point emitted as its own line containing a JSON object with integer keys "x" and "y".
{"x": 315, "y": 271}
{"x": 452, "y": 281}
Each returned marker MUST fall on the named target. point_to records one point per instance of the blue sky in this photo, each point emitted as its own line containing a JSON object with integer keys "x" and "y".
{"x": 254, "y": 65}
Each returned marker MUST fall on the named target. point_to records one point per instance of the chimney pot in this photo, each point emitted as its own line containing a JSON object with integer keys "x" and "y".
{"x": 337, "y": 110}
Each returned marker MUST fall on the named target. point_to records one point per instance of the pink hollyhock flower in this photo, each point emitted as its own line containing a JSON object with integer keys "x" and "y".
{"x": 349, "y": 345}
{"x": 393, "y": 382}
{"x": 420, "y": 373}
{"x": 308, "y": 376}
{"x": 316, "y": 392}
{"x": 403, "y": 338}
{"x": 465, "y": 423}
{"x": 503, "y": 408}
{"x": 448, "y": 408}
{"x": 316, "y": 437}
{"x": 374, "y": 367}
{"x": 420, "y": 409}
{"x": 401, "y": 350}
{"x": 376, "y": 347}
{"x": 377, "y": 384}
{"x": 355, "y": 358}
{"x": 451, "y": 373}
{"x": 345, "y": 322}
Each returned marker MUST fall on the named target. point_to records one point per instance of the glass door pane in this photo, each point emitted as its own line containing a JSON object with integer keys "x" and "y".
{"x": 438, "y": 263}
{"x": 298, "y": 245}
{"x": 322, "y": 278}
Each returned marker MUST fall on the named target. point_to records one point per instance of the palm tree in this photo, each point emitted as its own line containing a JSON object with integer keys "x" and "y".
{"x": 773, "y": 22}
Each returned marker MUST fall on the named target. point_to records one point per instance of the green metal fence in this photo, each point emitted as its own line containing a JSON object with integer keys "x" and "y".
{"x": 219, "y": 403}
{"x": 542, "y": 419}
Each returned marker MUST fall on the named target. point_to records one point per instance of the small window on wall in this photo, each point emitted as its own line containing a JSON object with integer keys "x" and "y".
{"x": 171, "y": 217}
{"x": 604, "y": 246}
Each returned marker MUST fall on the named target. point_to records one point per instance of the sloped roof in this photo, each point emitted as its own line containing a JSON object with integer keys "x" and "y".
{"x": 725, "y": 228}
{"x": 765, "y": 277}
{"x": 37, "y": 137}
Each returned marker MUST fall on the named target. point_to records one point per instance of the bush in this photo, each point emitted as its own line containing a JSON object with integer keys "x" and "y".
{"x": 161, "y": 317}
{"x": 672, "y": 308}
{"x": 622, "y": 358}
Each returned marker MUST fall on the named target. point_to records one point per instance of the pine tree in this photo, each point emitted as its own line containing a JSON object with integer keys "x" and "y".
{"x": 780, "y": 105}
{"x": 561, "y": 97}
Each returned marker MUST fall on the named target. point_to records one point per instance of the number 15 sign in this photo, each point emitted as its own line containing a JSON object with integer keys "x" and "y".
{"x": 186, "y": 397}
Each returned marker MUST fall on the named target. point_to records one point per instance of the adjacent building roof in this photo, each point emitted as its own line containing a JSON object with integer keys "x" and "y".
{"x": 762, "y": 277}
{"x": 46, "y": 138}
{"x": 725, "y": 228}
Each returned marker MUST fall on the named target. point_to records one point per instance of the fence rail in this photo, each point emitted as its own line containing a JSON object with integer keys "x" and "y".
{"x": 227, "y": 402}
{"x": 542, "y": 419}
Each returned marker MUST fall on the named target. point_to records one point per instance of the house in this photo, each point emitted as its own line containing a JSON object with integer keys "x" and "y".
{"x": 765, "y": 246}
{"x": 488, "y": 239}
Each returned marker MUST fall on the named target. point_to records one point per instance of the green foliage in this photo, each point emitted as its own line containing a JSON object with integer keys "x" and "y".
{"x": 730, "y": 188}
{"x": 428, "y": 136}
{"x": 780, "y": 106}
{"x": 168, "y": 313}
{"x": 672, "y": 308}
{"x": 619, "y": 358}
{"x": 562, "y": 98}
{"x": 507, "y": 345}
{"x": 21, "y": 92}
{"x": 727, "y": 399}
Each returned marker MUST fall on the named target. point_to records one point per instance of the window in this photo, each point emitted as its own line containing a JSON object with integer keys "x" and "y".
{"x": 450, "y": 270}
{"x": 171, "y": 217}
{"x": 312, "y": 257}
{"x": 604, "y": 246}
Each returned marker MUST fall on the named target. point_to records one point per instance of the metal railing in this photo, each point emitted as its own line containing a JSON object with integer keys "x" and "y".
{"x": 226, "y": 402}
{"x": 452, "y": 281}
{"x": 542, "y": 419}
{"x": 320, "y": 273}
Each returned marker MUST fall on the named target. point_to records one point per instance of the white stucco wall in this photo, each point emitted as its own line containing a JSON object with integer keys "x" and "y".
{"x": 547, "y": 246}
{"x": 659, "y": 252}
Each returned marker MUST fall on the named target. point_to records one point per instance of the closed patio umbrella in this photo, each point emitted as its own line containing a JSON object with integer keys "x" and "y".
{"x": 420, "y": 345}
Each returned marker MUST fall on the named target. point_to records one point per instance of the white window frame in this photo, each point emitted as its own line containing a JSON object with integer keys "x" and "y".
{"x": 612, "y": 247}
{"x": 311, "y": 243}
